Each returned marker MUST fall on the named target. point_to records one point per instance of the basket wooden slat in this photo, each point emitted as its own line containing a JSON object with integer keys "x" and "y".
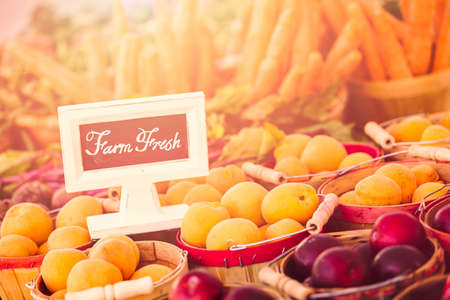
{"x": 150, "y": 252}
{"x": 275, "y": 276}
{"x": 350, "y": 217}
{"x": 10, "y": 284}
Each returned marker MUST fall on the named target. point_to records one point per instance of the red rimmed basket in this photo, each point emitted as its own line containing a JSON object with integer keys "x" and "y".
{"x": 241, "y": 263}
{"x": 275, "y": 275}
{"x": 267, "y": 176}
{"x": 348, "y": 217}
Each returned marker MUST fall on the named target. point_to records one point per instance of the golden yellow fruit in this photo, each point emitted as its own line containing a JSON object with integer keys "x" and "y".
{"x": 411, "y": 129}
{"x": 125, "y": 239}
{"x": 68, "y": 237}
{"x": 14, "y": 245}
{"x": 223, "y": 178}
{"x": 436, "y": 132}
{"x": 378, "y": 190}
{"x": 291, "y": 166}
{"x": 244, "y": 201}
{"x": 202, "y": 193}
{"x": 446, "y": 120}
{"x": 236, "y": 231}
{"x": 75, "y": 212}
{"x": 424, "y": 173}
{"x": 348, "y": 198}
{"x": 27, "y": 219}
{"x": 177, "y": 192}
{"x": 293, "y": 200}
{"x": 323, "y": 153}
{"x": 355, "y": 158}
{"x": 403, "y": 176}
{"x": 43, "y": 249}
{"x": 196, "y": 180}
{"x": 155, "y": 271}
{"x": 198, "y": 221}
{"x": 91, "y": 273}
{"x": 429, "y": 188}
{"x": 57, "y": 265}
{"x": 262, "y": 232}
{"x": 283, "y": 227}
{"x": 292, "y": 145}
{"x": 59, "y": 295}
{"x": 117, "y": 252}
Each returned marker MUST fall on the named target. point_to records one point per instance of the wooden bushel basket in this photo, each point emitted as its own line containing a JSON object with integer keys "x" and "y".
{"x": 430, "y": 289}
{"x": 241, "y": 263}
{"x": 274, "y": 274}
{"x": 348, "y": 217}
{"x": 385, "y": 100}
{"x": 150, "y": 252}
{"x": 266, "y": 175}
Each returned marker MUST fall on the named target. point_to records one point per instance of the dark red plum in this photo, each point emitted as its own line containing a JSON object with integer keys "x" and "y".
{"x": 396, "y": 260}
{"x": 246, "y": 293}
{"x": 196, "y": 285}
{"x": 397, "y": 228}
{"x": 339, "y": 267}
{"x": 442, "y": 219}
{"x": 309, "y": 249}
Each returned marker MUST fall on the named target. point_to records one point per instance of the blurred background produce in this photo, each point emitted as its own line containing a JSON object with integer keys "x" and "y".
{"x": 286, "y": 62}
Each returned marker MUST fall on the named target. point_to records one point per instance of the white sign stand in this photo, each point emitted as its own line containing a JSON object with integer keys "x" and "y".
{"x": 140, "y": 209}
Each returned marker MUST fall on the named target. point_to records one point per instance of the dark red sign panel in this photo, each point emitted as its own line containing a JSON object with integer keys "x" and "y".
{"x": 133, "y": 142}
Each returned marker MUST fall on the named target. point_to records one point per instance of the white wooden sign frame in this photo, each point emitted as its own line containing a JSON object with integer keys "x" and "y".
{"x": 139, "y": 208}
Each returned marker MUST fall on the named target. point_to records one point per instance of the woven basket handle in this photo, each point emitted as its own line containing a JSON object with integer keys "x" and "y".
{"x": 109, "y": 205}
{"x": 117, "y": 291}
{"x": 323, "y": 213}
{"x": 430, "y": 152}
{"x": 379, "y": 135}
{"x": 262, "y": 173}
{"x": 282, "y": 282}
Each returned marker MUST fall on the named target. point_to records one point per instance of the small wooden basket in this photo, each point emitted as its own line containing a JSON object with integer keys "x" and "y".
{"x": 348, "y": 217}
{"x": 385, "y": 100}
{"x": 269, "y": 177}
{"x": 274, "y": 274}
{"x": 431, "y": 289}
{"x": 243, "y": 262}
{"x": 380, "y": 134}
{"x": 150, "y": 252}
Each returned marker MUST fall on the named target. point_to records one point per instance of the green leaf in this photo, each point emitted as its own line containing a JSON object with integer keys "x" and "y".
{"x": 317, "y": 105}
{"x": 229, "y": 100}
{"x": 340, "y": 131}
{"x": 14, "y": 162}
